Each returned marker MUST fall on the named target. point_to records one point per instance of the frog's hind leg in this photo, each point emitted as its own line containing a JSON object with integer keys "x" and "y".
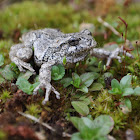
{"x": 20, "y": 55}
{"x": 45, "y": 79}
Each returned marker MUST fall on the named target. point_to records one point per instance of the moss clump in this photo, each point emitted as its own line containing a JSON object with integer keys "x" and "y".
{"x": 5, "y": 95}
{"x": 105, "y": 104}
{"x": 34, "y": 109}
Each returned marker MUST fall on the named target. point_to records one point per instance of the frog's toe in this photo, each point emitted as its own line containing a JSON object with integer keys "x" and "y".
{"x": 58, "y": 96}
{"x": 119, "y": 59}
{"x": 21, "y": 69}
{"x": 44, "y": 102}
{"x": 56, "y": 93}
{"x": 129, "y": 55}
{"x": 36, "y": 89}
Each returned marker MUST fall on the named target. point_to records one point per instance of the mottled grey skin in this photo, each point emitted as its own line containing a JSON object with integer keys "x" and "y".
{"x": 50, "y": 46}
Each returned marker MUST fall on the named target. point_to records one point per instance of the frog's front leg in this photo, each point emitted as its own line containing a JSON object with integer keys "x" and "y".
{"x": 20, "y": 55}
{"x": 45, "y": 79}
{"x": 102, "y": 53}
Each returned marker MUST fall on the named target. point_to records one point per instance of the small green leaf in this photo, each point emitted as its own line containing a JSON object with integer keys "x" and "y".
{"x": 33, "y": 86}
{"x": 93, "y": 129}
{"x": 88, "y": 78}
{"x": 99, "y": 64}
{"x": 108, "y": 74}
{"x": 2, "y": 80}
{"x": 1, "y": 60}
{"x": 14, "y": 68}
{"x": 77, "y": 64}
{"x": 96, "y": 87}
{"x": 80, "y": 107}
{"x": 128, "y": 91}
{"x": 64, "y": 60}
{"x": 76, "y": 136}
{"x": 115, "y": 91}
{"x": 105, "y": 122}
{"x": 57, "y": 72}
{"x": 137, "y": 91}
{"x": 76, "y": 121}
{"x": 26, "y": 75}
{"x": 85, "y": 100}
{"x": 126, "y": 81}
{"x": 93, "y": 69}
{"x": 66, "y": 82}
{"x": 91, "y": 61}
{"x": 126, "y": 106}
{"x": 115, "y": 84}
{"x": 24, "y": 85}
{"x": 83, "y": 88}
{"x": 7, "y": 73}
{"x": 76, "y": 80}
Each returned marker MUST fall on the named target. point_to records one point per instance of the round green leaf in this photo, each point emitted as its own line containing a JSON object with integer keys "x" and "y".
{"x": 105, "y": 122}
{"x": 66, "y": 81}
{"x": 2, "y": 80}
{"x": 57, "y": 72}
{"x": 76, "y": 80}
{"x": 83, "y": 88}
{"x": 76, "y": 136}
{"x": 88, "y": 78}
{"x": 80, "y": 107}
{"x": 137, "y": 91}
{"x": 126, "y": 81}
{"x": 7, "y": 73}
{"x": 126, "y": 106}
{"x": 24, "y": 85}
{"x": 96, "y": 87}
{"x": 115, "y": 84}
{"x": 128, "y": 91}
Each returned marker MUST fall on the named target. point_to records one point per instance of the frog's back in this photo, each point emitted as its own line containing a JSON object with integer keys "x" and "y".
{"x": 29, "y": 38}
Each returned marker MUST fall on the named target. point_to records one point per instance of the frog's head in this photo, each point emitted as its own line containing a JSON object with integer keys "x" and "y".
{"x": 78, "y": 46}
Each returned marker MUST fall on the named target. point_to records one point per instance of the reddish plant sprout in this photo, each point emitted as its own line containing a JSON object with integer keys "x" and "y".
{"x": 126, "y": 25}
{"x": 137, "y": 49}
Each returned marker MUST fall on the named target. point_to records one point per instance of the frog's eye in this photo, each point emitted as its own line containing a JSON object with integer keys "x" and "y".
{"x": 74, "y": 41}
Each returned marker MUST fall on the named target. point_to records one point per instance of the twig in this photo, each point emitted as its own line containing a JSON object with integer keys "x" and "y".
{"x": 42, "y": 123}
{"x": 109, "y": 26}
{"x": 106, "y": 24}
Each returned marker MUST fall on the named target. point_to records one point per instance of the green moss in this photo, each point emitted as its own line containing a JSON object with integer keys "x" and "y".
{"x": 105, "y": 104}
{"x": 3, "y": 135}
{"x": 34, "y": 109}
{"x": 136, "y": 129}
{"x": 5, "y": 95}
